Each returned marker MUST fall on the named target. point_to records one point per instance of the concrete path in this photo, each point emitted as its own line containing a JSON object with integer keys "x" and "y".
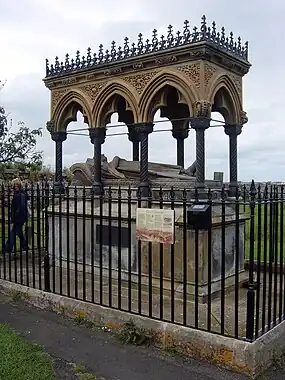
{"x": 100, "y": 353}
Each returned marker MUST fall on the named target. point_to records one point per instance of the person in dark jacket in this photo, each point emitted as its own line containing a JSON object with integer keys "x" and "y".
{"x": 19, "y": 216}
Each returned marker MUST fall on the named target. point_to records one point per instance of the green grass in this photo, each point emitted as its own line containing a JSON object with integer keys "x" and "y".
{"x": 20, "y": 359}
{"x": 265, "y": 231}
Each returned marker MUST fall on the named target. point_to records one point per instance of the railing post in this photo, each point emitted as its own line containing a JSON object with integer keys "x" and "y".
{"x": 46, "y": 240}
{"x": 251, "y": 287}
{"x": 47, "y": 272}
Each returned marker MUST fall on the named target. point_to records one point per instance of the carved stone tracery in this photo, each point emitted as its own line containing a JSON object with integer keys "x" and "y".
{"x": 237, "y": 80}
{"x": 139, "y": 81}
{"x": 56, "y": 95}
{"x": 92, "y": 90}
{"x": 193, "y": 72}
{"x": 209, "y": 71}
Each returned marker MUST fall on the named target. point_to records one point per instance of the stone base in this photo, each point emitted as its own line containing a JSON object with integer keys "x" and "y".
{"x": 155, "y": 282}
{"x": 105, "y": 248}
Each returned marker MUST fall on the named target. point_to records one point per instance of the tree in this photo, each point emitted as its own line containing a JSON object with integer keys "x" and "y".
{"x": 18, "y": 145}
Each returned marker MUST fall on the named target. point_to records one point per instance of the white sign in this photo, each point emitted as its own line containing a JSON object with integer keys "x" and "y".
{"x": 155, "y": 225}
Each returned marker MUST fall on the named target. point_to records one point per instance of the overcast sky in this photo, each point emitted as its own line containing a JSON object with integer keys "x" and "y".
{"x": 32, "y": 30}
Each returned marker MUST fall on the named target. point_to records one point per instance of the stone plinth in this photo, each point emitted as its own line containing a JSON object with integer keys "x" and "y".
{"x": 185, "y": 245}
{"x": 78, "y": 225}
{"x": 82, "y": 230}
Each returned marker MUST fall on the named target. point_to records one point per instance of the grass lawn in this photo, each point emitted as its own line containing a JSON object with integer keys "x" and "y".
{"x": 268, "y": 233}
{"x": 22, "y": 360}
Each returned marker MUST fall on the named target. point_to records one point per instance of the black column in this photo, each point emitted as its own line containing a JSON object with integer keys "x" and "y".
{"x": 200, "y": 124}
{"x": 180, "y": 132}
{"x": 58, "y": 137}
{"x": 97, "y": 137}
{"x": 233, "y": 131}
{"x": 134, "y": 138}
{"x": 143, "y": 130}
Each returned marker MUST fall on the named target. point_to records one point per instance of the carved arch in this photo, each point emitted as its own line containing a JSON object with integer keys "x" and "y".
{"x": 107, "y": 103}
{"x": 225, "y": 99}
{"x": 66, "y": 110}
{"x": 187, "y": 93}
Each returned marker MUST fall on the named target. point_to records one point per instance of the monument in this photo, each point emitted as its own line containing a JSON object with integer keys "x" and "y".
{"x": 186, "y": 75}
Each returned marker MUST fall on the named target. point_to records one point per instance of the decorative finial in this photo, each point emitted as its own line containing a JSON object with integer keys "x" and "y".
{"x": 94, "y": 60}
{"x": 126, "y": 47}
{"x": 83, "y": 62}
{"x": 162, "y": 43}
{"x": 170, "y": 37}
{"x": 107, "y": 56}
{"x": 113, "y": 51}
{"x": 186, "y": 31}
{"x": 140, "y": 43}
{"x": 203, "y": 27}
{"x": 133, "y": 49}
{"x": 195, "y": 34}
{"x": 246, "y": 50}
{"x": 77, "y": 59}
{"x": 214, "y": 33}
{"x": 66, "y": 61}
{"x": 178, "y": 37}
{"x": 119, "y": 53}
{"x": 89, "y": 57}
{"x": 56, "y": 65}
{"x": 223, "y": 38}
{"x": 239, "y": 45}
{"x": 47, "y": 67}
{"x": 101, "y": 53}
{"x": 231, "y": 40}
{"x": 154, "y": 39}
{"x": 147, "y": 46}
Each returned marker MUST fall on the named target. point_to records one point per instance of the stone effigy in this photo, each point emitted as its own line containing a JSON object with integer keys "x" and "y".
{"x": 123, "y": 171}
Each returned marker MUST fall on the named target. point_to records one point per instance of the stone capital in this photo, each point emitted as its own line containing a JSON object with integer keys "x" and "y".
{"x": 142, "y": 130}
{"x": 200, "y": 123}
{"x": 233, "y": 130}
{"x": 202, "y": 108}
{"x": 180, "y": 129}
{"x": 97, "y": 134}
{"x": 243, "y": 119}
{"x": 180, "y": 134}
{"x": 50, "y": 125}
{"x": 133, "y": 135}
{"x": 59, "y": 136}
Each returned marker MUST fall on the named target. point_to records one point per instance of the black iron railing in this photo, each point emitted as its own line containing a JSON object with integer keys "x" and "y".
{"x": 227, "y": 278}
{"x": 172, "y": 39}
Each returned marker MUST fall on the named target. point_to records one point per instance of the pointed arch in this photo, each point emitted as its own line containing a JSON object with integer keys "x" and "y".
{"x": 225, "y": 99}
{"x": 66, "y": 110}
{"x": 106, "y": 103}
{"x": 186, "y": 89}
